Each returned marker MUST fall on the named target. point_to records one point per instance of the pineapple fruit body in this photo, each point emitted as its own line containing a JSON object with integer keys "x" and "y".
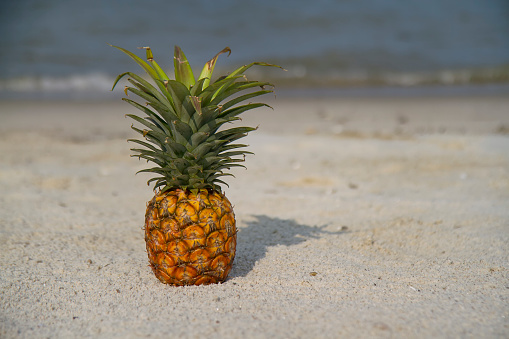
{"x": 190, "y": 237}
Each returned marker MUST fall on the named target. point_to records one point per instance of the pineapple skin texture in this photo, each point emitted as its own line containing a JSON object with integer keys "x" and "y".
{"x": 190, "y": 237}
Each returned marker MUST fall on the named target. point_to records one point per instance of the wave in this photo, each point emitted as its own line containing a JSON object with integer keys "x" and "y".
{"x": 299, "y": 76}
{"x": 87, "y": 82}
{"x": 98, "y": 85}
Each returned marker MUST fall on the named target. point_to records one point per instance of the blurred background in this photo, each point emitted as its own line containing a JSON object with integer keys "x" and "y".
{"x": 58, "y": 49}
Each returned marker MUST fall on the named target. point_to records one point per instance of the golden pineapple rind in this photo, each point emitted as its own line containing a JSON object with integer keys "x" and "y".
{"x": 191, "y": 237}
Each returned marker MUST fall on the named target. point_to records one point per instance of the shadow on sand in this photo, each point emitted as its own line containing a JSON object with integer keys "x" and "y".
{"x": 264, "y": 232}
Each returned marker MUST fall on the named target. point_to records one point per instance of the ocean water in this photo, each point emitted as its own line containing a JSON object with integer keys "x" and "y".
{"x": 56, "y": 46}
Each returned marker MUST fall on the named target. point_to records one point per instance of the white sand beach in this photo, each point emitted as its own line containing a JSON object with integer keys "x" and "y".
{"x": 358, "y": 218}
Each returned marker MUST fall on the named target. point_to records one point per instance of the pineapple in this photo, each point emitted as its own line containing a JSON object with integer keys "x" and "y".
{"x": 190, "y": 230}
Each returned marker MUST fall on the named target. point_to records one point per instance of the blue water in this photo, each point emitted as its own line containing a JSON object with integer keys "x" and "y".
{"x": 58, "y": 45}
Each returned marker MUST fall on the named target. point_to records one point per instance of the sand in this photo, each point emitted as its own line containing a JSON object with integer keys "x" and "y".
{"x": 358, "y": 217}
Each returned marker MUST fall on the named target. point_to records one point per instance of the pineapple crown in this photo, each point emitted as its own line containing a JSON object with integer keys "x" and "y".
{"x": 183, "y": 121}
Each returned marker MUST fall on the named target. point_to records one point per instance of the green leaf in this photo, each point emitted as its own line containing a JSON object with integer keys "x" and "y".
{"x": 243, "y": 98}
{"x": 181, "y": 164}
{"x": 179, "y": 93}
{"x": 148, "y": 158}
{"x": 155, "y": 179}
{"x": 184, "y": 131}
{"x": 155, "y": 137}
{"x": 208, "y": 114}
{"x": 204, "y": 148}
{"x": 234, "y": 153}
{"x": 208, "y": 161}
{"x": 218, "y": 175}
{"x": 118, "y": 79}
{"x": 143, "y": 143}
{"x": 198, "y": 137}
{"x": 168, "y": 150}
{"x": 145, "y": 123}
{"x": 176, "y": 147}
{"x": 227, "y": 166}
{"x": 227, "y": 83}
{"x": 150, "y": 58}
{"x": 169, "y": 171}
{"x": 241, "y": 109}
{"x": 167, "y": 115}
{"x": 146, "y": 67}
{"x": 238, "y": 87}
{"x": 193, "y": 182}
{"x": 197, "y": 116}
{"x": 198, "y": 88}
{"x": 206, "y": 73}
{"x": 150, "y": 71}
{"x": 216, "y": 88}
{"x": 196, "y": 102}
{"x": 244, "y": 85}
{"x": 164, "y": 97}
{"x": 194, "y": 170}
{"x": 140, "y": 92}
{"x": 212, "y": 126}
{"x": 244, "y": 68}
{"x": 190, "y": 111}
{"x": 221, "y": 182}
{"x": 153, "y": 117}
{"x": 183, "y": 71}
{"x": 157, "y": 170}
{"x": 233, "y": 131}
{"x": 161, "y": 182}
{"x": 232, "y": 146}
{"x": 160, "y": 156}
{"x": 234, "y": 137}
